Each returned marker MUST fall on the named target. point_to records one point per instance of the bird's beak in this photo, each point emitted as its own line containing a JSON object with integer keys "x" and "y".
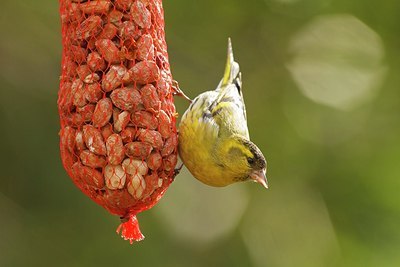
{"x": 260, "y": 177}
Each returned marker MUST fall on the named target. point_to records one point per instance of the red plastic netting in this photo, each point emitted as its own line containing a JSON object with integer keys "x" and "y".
{"x": 118, "y": 134}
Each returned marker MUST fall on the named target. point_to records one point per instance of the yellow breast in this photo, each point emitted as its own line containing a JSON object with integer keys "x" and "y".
{"x": 197, "y": 138}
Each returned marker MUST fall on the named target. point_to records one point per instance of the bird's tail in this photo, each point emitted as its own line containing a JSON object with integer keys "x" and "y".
{"x": 232, "y": 70}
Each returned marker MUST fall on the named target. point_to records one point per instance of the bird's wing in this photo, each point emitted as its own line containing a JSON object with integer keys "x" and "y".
{"x": 200, "y": 116}
{"x": 228, "y": 109}
{"x": 228, "y": 112}
{"x": 221, "y": 113}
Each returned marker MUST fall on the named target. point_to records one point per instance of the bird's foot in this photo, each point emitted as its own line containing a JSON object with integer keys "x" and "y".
{"x": 179, "y": 92}
{"x": 178, "y": 170}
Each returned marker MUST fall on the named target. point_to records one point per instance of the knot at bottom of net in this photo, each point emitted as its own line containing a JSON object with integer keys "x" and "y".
{"x": 129, "y": 229}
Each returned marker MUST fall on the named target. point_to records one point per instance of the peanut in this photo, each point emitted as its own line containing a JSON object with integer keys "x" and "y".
{"x": 89, "y": 27}
{"x": 106, "y": 131}
{"x": 128, "y": 54}
{"x": 145, "y": 47}
{"x": 123, "y": 5}
{"x": 145, "y": 72}
{"x": 151, "y": 182}
{"x": 133, "y": 166}
{"x": 94, "y": 140}
{"x": 126, "y": 98}
{"x": 102, "y": 113}
{"x": 145, "y": 119}
{"x": 115, "y": 176}
{"x": 128, "y": 134}
{"x": 108, "y": 50}
{"x": 73, "y": 14}
{"x": 95, "y": 62}
{"x": 152, "y": 137}
{"x": 69, "y": 68}
{"x": 74, "y": 119}
{"x": 127, "y": 30}
{"x": 115, "y": 17}
{"x": 92, "y": 160}
{"x": 140, "y": 14}
{"x": 121, "y": 121}
{"x": 163, "y": 86}
{"x": 168, "y": 107}
{"x": 78, "y": 54}
{"x": 114, "y": 77}
{"x": 161, "y": 61}
{"x": 139, "y": 150}
{"x": 170, "y": 162}
{"x": 170, "y": 145}
{"x": 66, "y": 96}
{"x": 86, "y": 112}
{"x": 115, "y": 149}
{"x": 79, "y": 93}
{"x": 93, "y": 92}
{"x": 109, "y": 31}
{"x": 86, "y": 75}
{"x": 150, "y": 97}
{"x": 88, "y": 175}
{"x": 165, "y": 126}
{"x": 136, "y": 186}
{"x": 95, "y": 7}
{"x": 67, "y": 139}
{"x": 154, "y": 161}
{"x": 79, "y": 142}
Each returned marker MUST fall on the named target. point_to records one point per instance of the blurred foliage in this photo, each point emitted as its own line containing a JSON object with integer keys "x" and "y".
{"x": 321, "y": 86}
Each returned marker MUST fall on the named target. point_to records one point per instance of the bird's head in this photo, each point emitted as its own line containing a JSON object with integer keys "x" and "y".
{"x": 244, "y": 160}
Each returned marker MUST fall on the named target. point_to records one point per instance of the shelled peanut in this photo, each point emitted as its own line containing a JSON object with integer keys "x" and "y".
{"x": 118, "y": 134}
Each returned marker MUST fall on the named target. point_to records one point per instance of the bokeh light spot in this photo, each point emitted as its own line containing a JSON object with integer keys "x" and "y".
{"x": 337, "y": 61}
{"x": 200, "y": 213}
{"x": 292, "y": 228}
{"x": 297, "y": 8}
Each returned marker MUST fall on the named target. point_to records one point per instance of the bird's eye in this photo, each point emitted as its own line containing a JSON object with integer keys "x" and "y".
{"x": 250, "y": 160}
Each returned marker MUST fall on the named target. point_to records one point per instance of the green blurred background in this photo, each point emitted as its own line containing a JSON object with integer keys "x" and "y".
{"x": 321, "y": 83}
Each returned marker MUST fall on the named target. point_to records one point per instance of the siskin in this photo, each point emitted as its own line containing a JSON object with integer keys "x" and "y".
{"x": 214, "y": 141}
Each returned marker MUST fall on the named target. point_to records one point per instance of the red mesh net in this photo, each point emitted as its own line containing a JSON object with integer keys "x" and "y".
{"x": 118, "y": 135}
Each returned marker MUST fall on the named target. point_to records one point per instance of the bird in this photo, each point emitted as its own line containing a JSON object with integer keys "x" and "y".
{"x": 214, "y": 142}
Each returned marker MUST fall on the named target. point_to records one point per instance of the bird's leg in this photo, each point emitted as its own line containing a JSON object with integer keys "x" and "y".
{"x": 179, "y": 92}
{"x": 178, "y": 170}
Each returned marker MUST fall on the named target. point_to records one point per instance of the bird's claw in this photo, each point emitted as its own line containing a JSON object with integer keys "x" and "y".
{"x": 178, "y": 170}
{"x": 179, "y": 92}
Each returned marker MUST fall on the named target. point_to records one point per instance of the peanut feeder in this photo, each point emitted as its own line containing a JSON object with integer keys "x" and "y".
{"x": 118, "y": 138}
